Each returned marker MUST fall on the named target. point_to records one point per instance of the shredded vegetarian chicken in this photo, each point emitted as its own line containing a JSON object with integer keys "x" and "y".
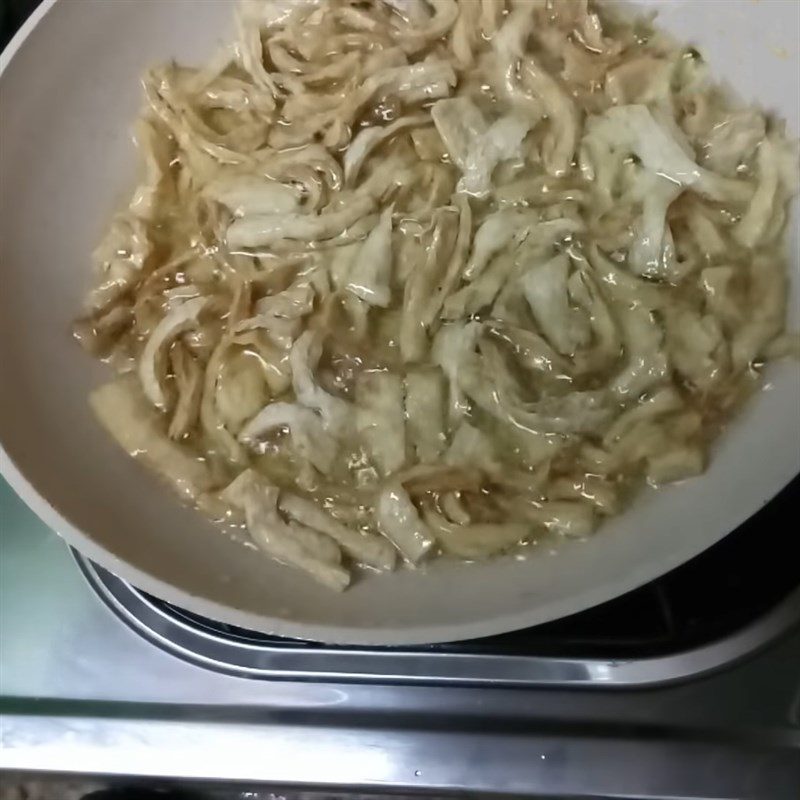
{"x": 408, "y": 279}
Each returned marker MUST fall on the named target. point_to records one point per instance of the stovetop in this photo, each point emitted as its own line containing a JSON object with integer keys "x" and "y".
{"x": 688, "y": 687}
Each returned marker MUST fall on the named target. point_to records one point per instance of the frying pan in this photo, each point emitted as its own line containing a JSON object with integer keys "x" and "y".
{"x": 70, "y": 91}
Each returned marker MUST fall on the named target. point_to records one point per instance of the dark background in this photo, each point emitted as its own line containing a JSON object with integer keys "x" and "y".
{"x": 12, "y": 14}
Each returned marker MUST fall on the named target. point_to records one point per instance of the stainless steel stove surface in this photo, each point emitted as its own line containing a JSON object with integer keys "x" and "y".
{"x": 689, "y": 687}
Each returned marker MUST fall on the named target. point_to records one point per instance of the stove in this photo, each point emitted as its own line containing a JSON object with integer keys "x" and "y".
{"x": 688, "y": 687}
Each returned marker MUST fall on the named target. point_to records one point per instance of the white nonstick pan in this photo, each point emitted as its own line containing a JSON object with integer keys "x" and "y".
{"x": 70, "y": 91}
